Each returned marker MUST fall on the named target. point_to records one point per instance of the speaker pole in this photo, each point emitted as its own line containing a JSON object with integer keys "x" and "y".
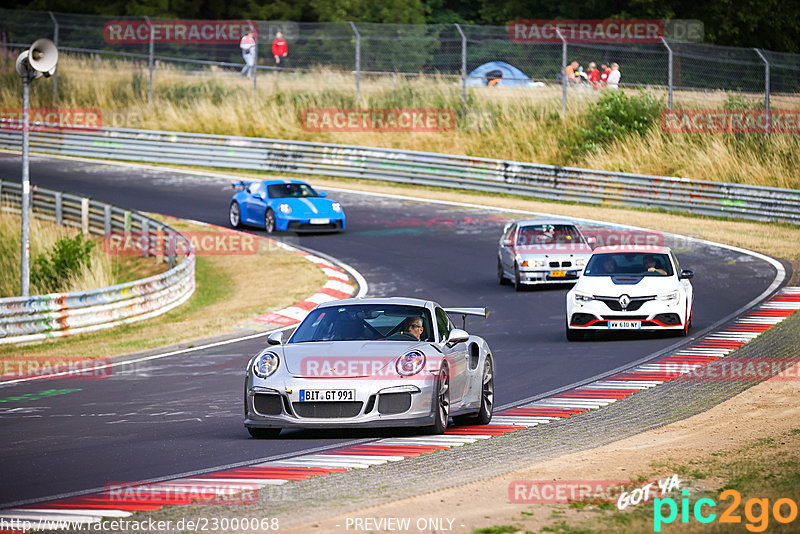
{"x": 25, "y": 274}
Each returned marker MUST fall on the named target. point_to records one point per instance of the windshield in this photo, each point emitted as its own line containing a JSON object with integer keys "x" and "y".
{"x": 629, "y": 264}
{"x": 548, "y": 234}
{"x": 291, "y": 190}
{"x": 365, "y": 322}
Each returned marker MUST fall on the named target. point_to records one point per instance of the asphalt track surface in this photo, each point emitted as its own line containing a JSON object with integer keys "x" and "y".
{"x": 184, "y": 413}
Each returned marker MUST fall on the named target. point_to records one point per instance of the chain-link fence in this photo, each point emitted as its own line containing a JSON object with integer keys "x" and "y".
{"x": 682, "y": 69}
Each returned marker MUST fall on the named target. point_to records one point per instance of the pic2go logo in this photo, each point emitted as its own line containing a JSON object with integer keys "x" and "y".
{"x": 756, "y": 511}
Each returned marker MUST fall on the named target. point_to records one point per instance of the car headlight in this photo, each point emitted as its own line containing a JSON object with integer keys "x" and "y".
{"x": 285, "y": 208}
{"x": 583, "y": 297}
{"x": 265, "y": 364}
{"x": 336, "y": 207}
{"x": 410, "y": 363}
{"x": 668, "y": 297}
{"x": 537, "y": 263}
{"x": 580, "y": 262}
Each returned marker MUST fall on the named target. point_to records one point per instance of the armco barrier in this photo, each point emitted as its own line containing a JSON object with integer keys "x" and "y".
{"x": 426, "y": 168}
{"x": 59, "y": 314}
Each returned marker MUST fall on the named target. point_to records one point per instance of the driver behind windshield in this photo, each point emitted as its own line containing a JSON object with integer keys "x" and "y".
{"x": 411, "y": 329}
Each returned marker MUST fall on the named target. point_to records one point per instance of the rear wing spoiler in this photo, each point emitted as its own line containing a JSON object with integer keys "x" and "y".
{"x": 240, "y": 184}
{"x": 463, "y": 312}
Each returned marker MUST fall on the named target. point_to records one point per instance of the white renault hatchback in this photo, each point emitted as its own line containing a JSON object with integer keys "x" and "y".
{"x": 631, "y": 288}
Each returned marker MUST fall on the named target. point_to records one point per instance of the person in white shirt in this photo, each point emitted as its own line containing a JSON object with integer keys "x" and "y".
{"x": 248, "y": 46}
{"x": 613, "y": 77}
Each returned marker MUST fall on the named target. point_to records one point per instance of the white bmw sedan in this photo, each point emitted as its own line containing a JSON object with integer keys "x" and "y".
{"x": 631, "y": 288}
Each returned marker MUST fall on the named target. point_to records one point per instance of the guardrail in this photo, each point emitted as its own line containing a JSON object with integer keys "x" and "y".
{"x": 607, "y": 188}
{"x": 24, "y": 319}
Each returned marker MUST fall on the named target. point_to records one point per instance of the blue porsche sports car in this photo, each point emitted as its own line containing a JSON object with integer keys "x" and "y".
{"x": 285, "y": 205}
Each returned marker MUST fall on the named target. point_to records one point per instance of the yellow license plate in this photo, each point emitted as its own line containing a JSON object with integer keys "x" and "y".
{"x": 558, "y": 274}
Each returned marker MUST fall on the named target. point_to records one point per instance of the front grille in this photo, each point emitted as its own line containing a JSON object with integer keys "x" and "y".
{"x": 566, "y": 264}
{"x": 613, "y": 303}
{"x": 624, "y": 317}
{"x": 268, "y": 404}
{"x": 327, "y": 409}
{"x": 389, "y": 403}
{"x": 294, "y": 225}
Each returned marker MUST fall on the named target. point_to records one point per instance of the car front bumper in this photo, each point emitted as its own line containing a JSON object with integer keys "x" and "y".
{"x": 287, "y": 223}
{"x": 652, "y": 315}
{"x": 543, "y": 276}
{"x": 377, "y": 403}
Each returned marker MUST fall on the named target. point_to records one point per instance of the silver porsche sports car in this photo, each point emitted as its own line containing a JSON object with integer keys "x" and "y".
{"x": 377, "y": 362}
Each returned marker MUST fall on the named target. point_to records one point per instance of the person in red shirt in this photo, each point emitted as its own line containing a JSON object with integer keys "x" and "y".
{"x": 594, "y": 75}
{"x": 279, "y": 48}
{"x": 606, "y": 71}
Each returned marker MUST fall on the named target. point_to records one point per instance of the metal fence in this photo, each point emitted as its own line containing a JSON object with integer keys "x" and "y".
{"x": 368, "y": 49}
{"x": 24, "y": 319}
{"x": 428, "y": 168}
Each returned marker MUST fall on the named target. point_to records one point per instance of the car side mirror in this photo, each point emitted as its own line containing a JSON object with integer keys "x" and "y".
{"x": 686, "y": 274}
{"x": 456, "y": 336}
{"x": 259, "y": 196}
{"x": 323, "y": 194}
{"x": 275, "y": 338}
{"x": 507, "y": 242}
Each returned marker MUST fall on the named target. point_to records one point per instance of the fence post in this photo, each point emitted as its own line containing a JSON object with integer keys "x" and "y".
{"x": 358, "y": 60}
{"x": 255, "y": 64}
{"x": 766, "y": 87}
{"x": 107, "y": 220}
{"x": 59, "y": 199}
{"x": 85, "y": 216}
{"x": 563, "y": 73}
{"x": 463, "y": 65}
{"x": 55, "y": 42}
{"x": 669, "y": 72}
{"x": 150, "y": 64}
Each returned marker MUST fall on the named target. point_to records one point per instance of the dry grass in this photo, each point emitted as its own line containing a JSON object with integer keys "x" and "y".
{"x": 101, "y": 271}
{"x": 231, "y": 290}
{"x": 503, "y": 123}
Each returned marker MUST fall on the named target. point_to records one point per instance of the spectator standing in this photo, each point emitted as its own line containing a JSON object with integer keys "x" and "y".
{"x": 279, "y": 47}
{"x": 613, "y": 77}
{"x": 248, "y": 46}
{"x": 605, "y": 73}
{"x": 594, "y": 75}
{"x": 570, "y": 72}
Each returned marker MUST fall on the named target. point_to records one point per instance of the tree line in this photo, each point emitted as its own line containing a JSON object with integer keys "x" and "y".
{"x": 770, "y": 24}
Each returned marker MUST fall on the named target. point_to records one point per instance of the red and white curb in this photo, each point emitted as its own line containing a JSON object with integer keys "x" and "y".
{"x": 337, "y": 287}
{"x": 91, "y": 508}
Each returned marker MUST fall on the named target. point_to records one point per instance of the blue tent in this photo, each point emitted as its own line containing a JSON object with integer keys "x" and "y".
{"x": 509, "y": 76}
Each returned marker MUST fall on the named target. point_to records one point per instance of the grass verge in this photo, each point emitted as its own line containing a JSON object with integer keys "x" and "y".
{"x": 514, "y": 124}
{"x": 231, "y": 289}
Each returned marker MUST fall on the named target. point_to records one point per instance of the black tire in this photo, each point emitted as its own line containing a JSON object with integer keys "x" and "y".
{"x": 484, "y": 415}
{"x": 235, "y": 215}
{"x": 501, "y": 278}
{"x": 269, "y": 221}
{"x": 573, "y": 335}
{"x": 517, "y": 282}
{"x": 264, "y": 433}
{"x": 442, "y": 400}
